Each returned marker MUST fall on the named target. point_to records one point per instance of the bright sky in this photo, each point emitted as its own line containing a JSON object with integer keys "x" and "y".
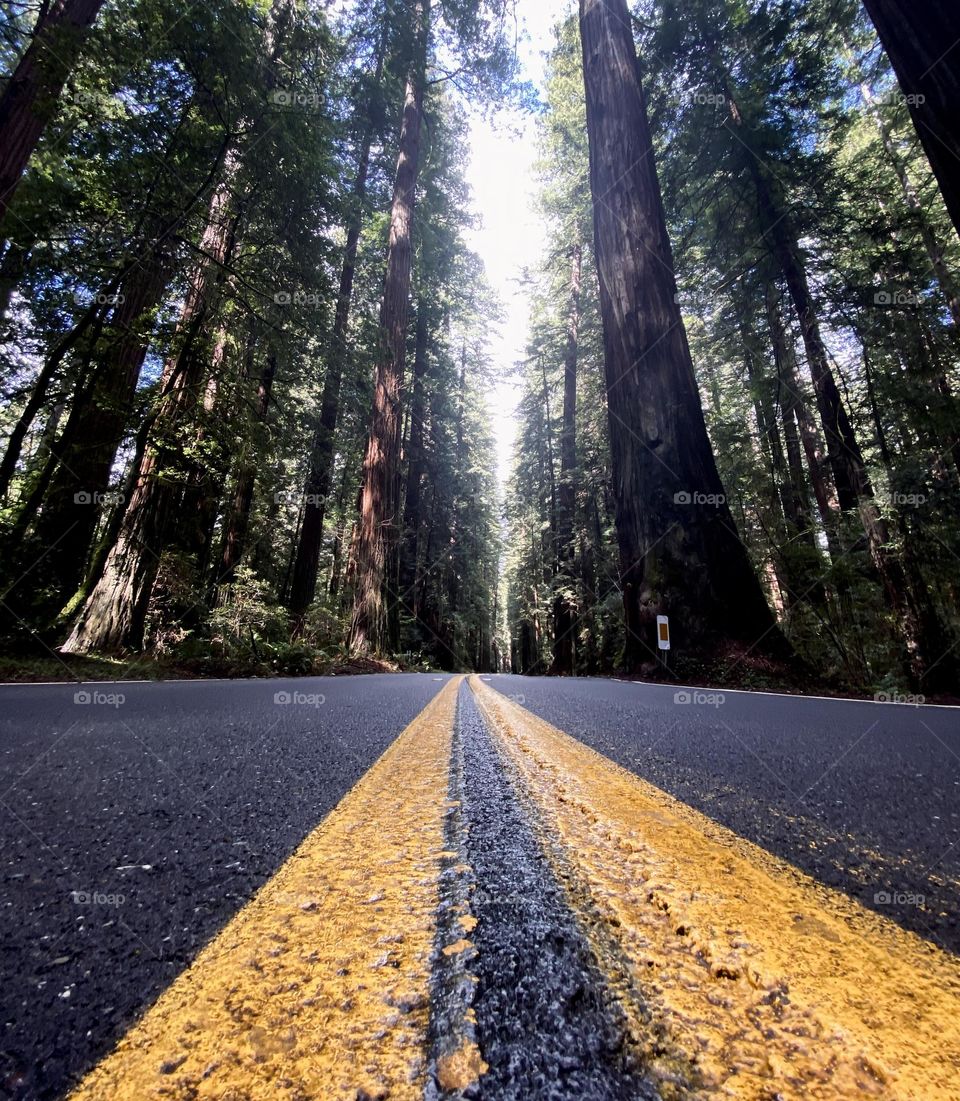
{"x": 510, "y": 237}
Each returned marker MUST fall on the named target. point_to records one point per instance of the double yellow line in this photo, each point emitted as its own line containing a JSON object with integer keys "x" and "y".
{"x": 741, "y": 977}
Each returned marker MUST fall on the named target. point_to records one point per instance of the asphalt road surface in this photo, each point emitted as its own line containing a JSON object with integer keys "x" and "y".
{"x": 863, "y": 796}
{"x": 139, "y": 819}
{"x": 181, "y": 800}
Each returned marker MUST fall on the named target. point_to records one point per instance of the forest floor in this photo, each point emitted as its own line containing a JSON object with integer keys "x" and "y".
{"x": 50, "y": 668}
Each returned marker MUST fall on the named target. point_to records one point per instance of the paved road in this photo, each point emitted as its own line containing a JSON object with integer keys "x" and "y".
{"x": 182, "y": 800}
{"x": 863, "y": 796}
{"x": 134, "y": 828}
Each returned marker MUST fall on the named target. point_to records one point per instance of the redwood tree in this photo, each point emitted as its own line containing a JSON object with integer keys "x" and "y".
{"x": 564, "y": 604}
{"x": 379, "y": 506}
{"x": 30, "y": 97}
{"x": 922, "y": 44}
{"x": 680, "y": 553}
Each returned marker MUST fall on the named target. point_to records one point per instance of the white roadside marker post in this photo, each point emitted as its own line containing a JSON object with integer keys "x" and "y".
{"x": 663, "y": 638}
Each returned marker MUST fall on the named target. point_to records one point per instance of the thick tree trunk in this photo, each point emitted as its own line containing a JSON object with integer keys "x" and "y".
{"x": 565, "y": 604}
{"x": 100, "y": 415}
{"x": 379, "y": 505}
{"x": 920, "y": 40}
{"x": 30, "y": 98}
{"x": 680, "y": 553}
{"x": 114, "y": 615}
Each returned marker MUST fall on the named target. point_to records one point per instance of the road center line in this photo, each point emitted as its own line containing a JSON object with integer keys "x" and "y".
{"x": 765, "y": 980}
{"x": 319, "y": 986}
{"x": 540, "y": 1021}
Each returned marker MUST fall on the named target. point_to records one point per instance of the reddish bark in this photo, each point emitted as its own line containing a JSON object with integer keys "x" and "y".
{"x": 30, "y": 98}
{"x": 379, "y": 509}
{"x": 680, "y": 553}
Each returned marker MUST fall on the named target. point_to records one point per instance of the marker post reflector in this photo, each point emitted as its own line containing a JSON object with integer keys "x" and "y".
{"x": 663, "y": 632}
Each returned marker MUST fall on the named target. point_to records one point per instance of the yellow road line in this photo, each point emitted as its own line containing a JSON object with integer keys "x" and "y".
{"x": 764, "y": 983}
{"x": 319, "y": 987}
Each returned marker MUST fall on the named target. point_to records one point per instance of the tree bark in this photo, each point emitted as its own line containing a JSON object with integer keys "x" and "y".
{"x": 412, "y": 512}
{"x": 32, "y": 93}
{"x": 114, "y": 615}
{"x": 98, "y": 419}
{"x": 921, "y": 42}
{"x": 379, "y": 505}
{"x": 680, "y": 553}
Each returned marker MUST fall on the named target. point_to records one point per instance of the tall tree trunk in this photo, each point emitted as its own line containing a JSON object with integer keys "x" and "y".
{"x": 565, "y": 605}
{"x": 303, "y": 582}
{"x": 412, "y": 512}
{"x": 32, "y": 93}
{"x": 792, "y": 402}
{"x": 549, "y": 549}
{"x": 921, "y": 42}
{"x": 771, "y": 458}
{"x": 114, "y": 615}
{"x": 98, "y": 419}
{"x": 90, "y": 321}
{"x": 843, "y": 450}
{"x": 238, "y": 521}
{"x": 379, "y": 505}
{"x": 680, "y": 553}
{"x": 924, "y": 636}
{"x": 141, "y": 274}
